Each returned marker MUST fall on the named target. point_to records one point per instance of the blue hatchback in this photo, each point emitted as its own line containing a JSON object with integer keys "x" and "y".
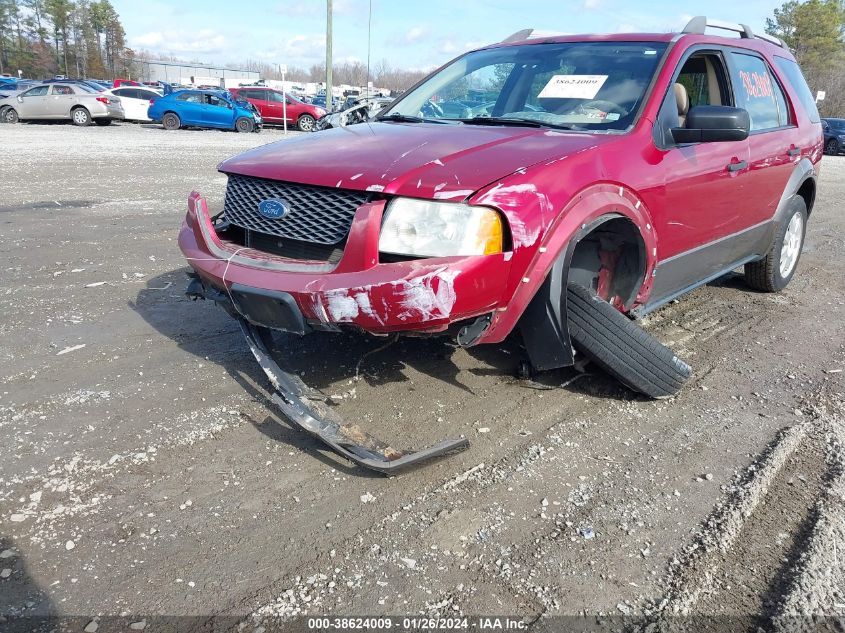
{"x": 204, "y": 108}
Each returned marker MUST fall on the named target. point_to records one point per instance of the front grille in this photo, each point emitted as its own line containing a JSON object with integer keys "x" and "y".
{"x": 294, "y": 249}
{"x": 316, "y": 215}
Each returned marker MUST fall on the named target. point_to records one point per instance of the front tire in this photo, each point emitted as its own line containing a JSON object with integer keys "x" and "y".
{"x": 305, "y": 123}
{"x": 171, "y": 121}
{"x": 10, "y": 115}
{"x": 831, "y": 148}
{"x": 620, "y": 347}
{"x": 244, "y": 125}
{"x": 775, "y": 270}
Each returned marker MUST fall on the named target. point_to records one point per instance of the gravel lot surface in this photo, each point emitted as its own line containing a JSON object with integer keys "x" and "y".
{"x": 143, "y": 470}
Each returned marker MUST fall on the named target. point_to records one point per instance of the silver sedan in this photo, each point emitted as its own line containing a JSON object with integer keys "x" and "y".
{"x": 76, "y": 102}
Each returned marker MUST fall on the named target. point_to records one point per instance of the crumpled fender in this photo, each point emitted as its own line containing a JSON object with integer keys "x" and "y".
{"x": 536, "y": 248}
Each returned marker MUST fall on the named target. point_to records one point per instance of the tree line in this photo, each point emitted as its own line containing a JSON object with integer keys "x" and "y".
{"x": 813, "y": 30}
{"x": 79, "y": 38}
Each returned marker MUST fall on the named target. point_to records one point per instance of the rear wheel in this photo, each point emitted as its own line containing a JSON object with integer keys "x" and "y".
{"x": 306, "y": 123}
{"x": 171, "y": 121}
{"x": 80, "y": 117}
{"x": 9, "y": 115}
{"x": 244, "y": 125}
{"x": 620, "y": 347}
{"x": 775, "y": 270}
{"x": 832, "y": 147}
{"x": 102, "y": 121}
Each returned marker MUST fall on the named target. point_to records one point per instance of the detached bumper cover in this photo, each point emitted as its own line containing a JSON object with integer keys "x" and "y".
{"x": 349, "y": 440}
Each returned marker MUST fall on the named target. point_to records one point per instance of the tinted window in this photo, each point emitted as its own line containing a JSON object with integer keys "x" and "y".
{"x": 799, "y": 84}
{"x": 63, "y": 90}
{"x": 40, "y": 91}
{"x": 122, "y": 92}
{"x": 755, "y": 91}
{"x": 277, "y": 97}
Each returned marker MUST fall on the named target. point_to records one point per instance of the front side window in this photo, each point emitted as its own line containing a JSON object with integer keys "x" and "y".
{"x": 38, "y": 91}
{"x": 571, "y": 85}
{"x": 216, "y": 101}
{"x": 758, "y": 92}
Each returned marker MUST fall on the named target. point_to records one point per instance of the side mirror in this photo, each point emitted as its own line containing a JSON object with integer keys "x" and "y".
{"x": 713, "y": 124}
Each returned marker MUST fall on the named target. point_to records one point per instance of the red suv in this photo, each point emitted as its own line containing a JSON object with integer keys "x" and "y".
{"x": 580, "y": 179}
{"x": 272, "y": 107}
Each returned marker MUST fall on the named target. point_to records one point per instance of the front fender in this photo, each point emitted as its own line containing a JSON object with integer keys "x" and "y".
{"x": 588, "y": 208}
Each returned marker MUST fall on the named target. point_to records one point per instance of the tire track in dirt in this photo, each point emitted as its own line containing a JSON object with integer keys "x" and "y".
{"x": 769, "y": 552}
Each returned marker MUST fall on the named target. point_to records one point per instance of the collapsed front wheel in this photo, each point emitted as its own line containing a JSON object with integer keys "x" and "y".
{"x": 776, "y": 269}
{"x": 9, "y": 115}
{"x": 620, "y": 347}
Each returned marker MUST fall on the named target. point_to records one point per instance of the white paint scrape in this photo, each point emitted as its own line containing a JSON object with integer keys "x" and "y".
{"x": 430, "y": 296}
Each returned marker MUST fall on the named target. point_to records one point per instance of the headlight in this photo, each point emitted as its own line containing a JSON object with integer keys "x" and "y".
{"x": 425, "y": 228}
{"x": 319, "y": 112}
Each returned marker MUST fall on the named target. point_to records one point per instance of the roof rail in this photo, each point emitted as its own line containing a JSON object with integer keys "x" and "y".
{"x": 528, "y": 34}
{"x": 524, "y": 34}
{"x": 699, "y": 24}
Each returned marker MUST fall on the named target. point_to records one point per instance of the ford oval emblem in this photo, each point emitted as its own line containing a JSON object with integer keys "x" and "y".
{"x": 273, "y": 208}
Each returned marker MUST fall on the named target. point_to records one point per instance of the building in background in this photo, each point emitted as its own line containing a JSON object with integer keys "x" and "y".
{"x": 195, "y": 74}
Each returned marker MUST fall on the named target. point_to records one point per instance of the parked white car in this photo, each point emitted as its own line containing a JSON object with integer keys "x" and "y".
{"x": 135, "y": 100}
{"x": 64, "y": 101}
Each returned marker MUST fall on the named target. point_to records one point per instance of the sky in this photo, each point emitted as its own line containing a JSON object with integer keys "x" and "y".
{"x": 410, "y": 34}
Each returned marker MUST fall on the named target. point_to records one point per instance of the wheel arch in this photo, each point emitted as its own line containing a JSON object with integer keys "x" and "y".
{"x": 536, "y": 306}
{"x": 802, "y": 182}
{"x": 608, "y": 255}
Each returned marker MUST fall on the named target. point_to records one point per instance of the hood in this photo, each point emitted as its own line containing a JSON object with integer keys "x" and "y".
{"x": 409, "y": 159}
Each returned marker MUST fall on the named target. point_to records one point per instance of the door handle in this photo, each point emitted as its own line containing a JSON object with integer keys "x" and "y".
{"x": 793, "y": 151}
{"x": 739, "y": 166}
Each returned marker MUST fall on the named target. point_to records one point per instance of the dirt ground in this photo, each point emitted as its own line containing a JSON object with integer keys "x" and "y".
{"x": 143, "y": 471}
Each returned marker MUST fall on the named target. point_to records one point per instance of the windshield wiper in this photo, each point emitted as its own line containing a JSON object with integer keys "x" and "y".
{"x": 406, "y": 118}
{"x": 515, "y": 121}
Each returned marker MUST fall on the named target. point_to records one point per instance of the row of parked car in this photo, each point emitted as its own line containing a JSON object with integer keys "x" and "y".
{"x": 84, "y": 102}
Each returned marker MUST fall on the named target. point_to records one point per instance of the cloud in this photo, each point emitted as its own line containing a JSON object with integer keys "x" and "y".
{"x": 415, "y": 34}
{"x": 592, "y": 4}
{"x": 205, "y": 41}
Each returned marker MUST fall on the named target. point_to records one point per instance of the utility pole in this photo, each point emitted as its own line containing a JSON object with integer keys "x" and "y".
{"x": 329, "y": 100}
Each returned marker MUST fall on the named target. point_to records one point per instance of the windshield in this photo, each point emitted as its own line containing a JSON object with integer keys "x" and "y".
{"x": 837, "y": 124}
{"x": 574, "y": 85}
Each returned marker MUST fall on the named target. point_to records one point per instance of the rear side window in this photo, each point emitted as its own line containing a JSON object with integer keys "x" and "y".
{"x": 758, "y": 92}
{"x": 193, "y": 97}
{"x": 799, "y": 84}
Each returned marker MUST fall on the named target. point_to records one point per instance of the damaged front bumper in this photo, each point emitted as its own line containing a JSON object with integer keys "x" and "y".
{"x": 415, "y": 296}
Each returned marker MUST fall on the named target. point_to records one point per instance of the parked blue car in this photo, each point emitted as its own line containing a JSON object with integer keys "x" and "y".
{"x": 204, "y": 108}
